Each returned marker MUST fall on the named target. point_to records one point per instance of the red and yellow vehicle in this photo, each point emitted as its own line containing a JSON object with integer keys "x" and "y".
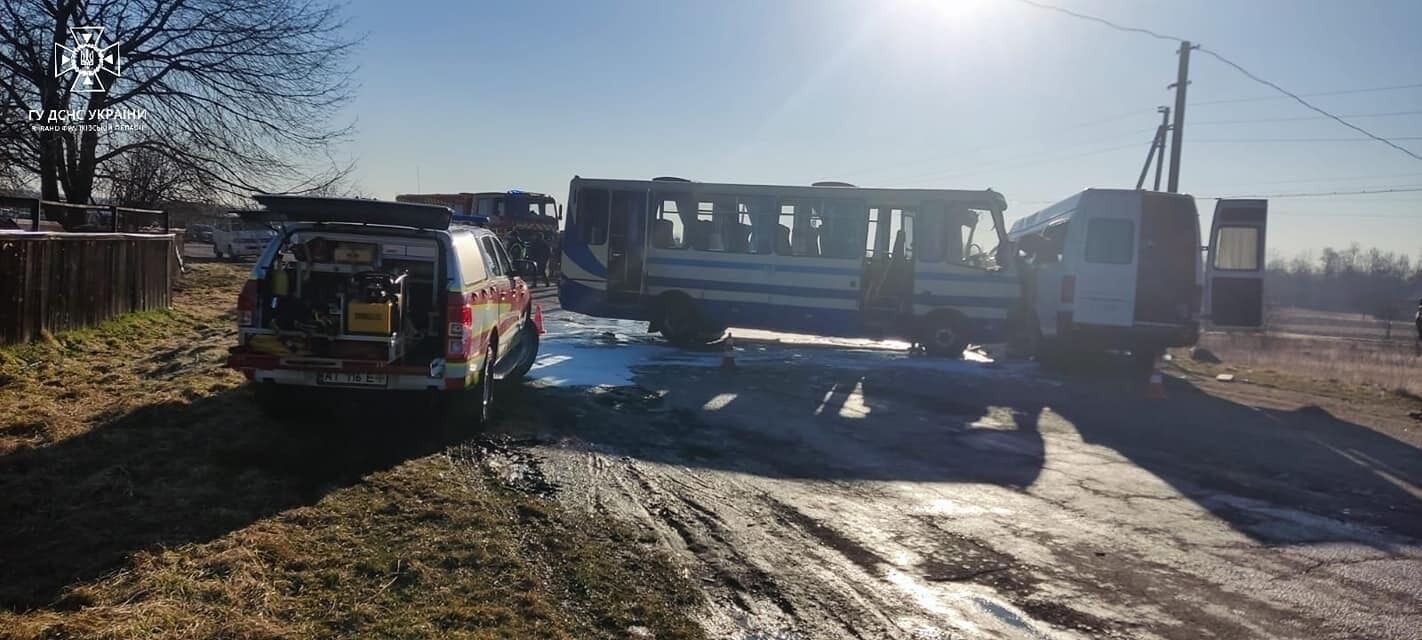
{"x": 381, "y": 296}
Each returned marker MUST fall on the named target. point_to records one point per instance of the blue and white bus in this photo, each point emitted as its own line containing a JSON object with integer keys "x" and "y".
{"x": 692, "y": 258}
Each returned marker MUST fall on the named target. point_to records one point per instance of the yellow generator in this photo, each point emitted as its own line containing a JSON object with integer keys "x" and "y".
{"x": 370, "y": 318}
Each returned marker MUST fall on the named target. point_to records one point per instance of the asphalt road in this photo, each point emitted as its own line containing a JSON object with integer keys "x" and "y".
{"x": 850, "y": 491}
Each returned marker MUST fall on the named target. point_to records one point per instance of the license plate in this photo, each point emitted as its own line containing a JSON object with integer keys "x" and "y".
{"x": 345, "y": 379}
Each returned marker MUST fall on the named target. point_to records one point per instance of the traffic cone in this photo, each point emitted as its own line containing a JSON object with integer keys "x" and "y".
{"x": 1155, "y": 389}
{"x": 538, "y": 318}
{"x": 728, "y": 353}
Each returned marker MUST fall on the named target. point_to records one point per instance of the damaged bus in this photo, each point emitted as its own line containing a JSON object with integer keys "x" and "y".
{"x": 691, "y": 258}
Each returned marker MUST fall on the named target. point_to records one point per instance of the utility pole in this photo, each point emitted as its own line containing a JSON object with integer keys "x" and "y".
{"x": 1182, "y": 80}
{"x": 1160, "y": 150}
{"x": 1157, "y": 149}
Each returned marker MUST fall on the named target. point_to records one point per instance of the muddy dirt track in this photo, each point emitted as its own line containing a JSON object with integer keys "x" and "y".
{"x": 845, "y": 492}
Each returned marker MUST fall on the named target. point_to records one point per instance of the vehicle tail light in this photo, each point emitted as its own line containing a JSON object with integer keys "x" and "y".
{"x": 247, "y": 304}
{"x": 1068, "y": 289}
{"x": 461, "y": 326}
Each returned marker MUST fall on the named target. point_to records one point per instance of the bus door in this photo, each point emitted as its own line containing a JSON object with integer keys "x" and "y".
{"x": 626, "y": 244}
{"x": 887, "y": 283}
{"x": 1234, "y": 265}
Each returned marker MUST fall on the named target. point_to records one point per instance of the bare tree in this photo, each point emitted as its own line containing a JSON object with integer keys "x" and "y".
{"x": 242, "y": 94}
{"x": 145, "y": 178}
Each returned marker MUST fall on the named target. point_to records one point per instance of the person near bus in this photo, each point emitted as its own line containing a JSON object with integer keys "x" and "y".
{"x": 539, "y": 252}
{"x": 517, "y": 248}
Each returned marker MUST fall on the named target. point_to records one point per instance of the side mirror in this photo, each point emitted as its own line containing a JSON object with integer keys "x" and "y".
{"x": 524, "y": 268}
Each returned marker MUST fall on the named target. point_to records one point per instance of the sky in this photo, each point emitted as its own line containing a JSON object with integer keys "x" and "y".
{"x": 460, "y": 96}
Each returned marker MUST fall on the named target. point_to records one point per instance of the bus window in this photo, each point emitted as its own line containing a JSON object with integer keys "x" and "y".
{"x": 929, "y": 242}
{"x": 972, "y": 238}
{"x": 759, "y": 212}
{"x": 872, "y": 246}
{"x": 785, "y": 234}
{"x": 592, "y": 216}
{"x": 901, "y": 223}
{"x": 668, "y": 230}
{"x": 841, "y": 229}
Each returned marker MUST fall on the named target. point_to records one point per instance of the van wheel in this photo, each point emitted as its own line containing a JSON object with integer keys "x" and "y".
{"x": 527, "y": 352}
{"x": 216, "y": 252}
{"x": 943, "y": 335}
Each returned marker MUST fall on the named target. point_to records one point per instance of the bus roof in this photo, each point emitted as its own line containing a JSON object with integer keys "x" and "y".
{"x": 985, "y": 197}
{"x": 531, "y": 195}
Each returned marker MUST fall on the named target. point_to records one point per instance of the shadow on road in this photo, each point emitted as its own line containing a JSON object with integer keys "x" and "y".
{"x": 1279, "y": 477}
{"x": 175, "y": 473}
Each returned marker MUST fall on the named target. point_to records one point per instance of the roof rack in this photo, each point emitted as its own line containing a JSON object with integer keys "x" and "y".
{"x": 286, "y": 208}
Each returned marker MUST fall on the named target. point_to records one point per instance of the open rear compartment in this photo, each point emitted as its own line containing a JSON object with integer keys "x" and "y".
{"x": 1166, "y": 288}
{"x": 353, "y": 295}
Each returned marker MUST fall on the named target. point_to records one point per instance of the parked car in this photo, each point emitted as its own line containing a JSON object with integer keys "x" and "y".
{"x": 198, "y": 233}
{"x": 382, "y": 296}
{"x": 236, "y": 238}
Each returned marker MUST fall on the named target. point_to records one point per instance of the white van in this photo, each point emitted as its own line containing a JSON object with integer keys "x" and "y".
{"x": 233, "y": 237}
{"x": 1121, "y": 269}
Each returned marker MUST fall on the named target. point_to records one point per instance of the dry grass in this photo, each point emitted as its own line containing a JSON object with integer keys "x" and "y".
{"x": 1389, "y": 367}
{"x": 1337, "y": 324}
{"x": 144, "y": 496}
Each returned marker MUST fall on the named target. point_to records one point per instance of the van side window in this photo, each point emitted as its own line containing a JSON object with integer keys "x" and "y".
{"x": 1237, "y": 248}
{"x": 1110, "y": 241}
{"x": 471, "y": 263}
{"x": 591, "y": 215}
{"x": 491, "y": 256}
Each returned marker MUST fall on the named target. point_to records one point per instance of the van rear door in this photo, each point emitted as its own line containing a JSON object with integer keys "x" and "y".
{"x": 1105, "y": 268}
{"x": 1234, "y": 268}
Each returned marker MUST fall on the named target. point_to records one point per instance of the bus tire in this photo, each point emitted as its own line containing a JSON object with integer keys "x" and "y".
{"x": 680, "y": 322}
{"x": 943, "y": 334}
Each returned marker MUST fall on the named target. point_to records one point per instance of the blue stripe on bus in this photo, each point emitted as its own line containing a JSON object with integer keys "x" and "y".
{"x": 583, "y": 257}
{"x": 1000, "y": 302}
{"x": 755, "y": 266}
{"x": 753, "y": 287}
{"x": 846, "y": 271}
{"x": 986, "y": 276}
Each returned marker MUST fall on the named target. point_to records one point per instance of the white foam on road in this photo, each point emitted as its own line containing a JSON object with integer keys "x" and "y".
{"x": 581, "y": 350}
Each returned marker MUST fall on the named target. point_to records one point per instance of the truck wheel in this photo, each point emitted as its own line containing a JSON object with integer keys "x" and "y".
{"x": 216, "y": 252}
{"x": 483, "y": 410}
{"x": 527, "y": 352}
{"x": 943, "y": 335}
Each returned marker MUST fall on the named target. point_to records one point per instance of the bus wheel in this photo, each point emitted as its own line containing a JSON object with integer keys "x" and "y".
{"x": 681, "y": 323}
{"x": 943, "y": 335}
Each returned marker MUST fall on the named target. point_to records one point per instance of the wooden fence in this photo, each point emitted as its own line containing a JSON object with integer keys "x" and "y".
{"x": 61, "y": 281}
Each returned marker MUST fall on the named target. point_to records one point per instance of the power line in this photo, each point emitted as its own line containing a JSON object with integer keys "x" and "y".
{"x": 1324, "y": 179}
{"x": 1322, "y": 194}
{"x": 1298, "y": 118}
{"x": 1227, "y": 61}
{"x": 1306, "y": 103}
{"x": 1102, "y": 21}
{"x": 1233, "y": 140}
{"x": 1310, "y": 95}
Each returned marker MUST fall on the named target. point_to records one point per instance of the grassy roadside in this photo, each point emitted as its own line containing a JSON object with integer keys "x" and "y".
{"x": 144, "y": 496}
{"x": 1318, "y": 380}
